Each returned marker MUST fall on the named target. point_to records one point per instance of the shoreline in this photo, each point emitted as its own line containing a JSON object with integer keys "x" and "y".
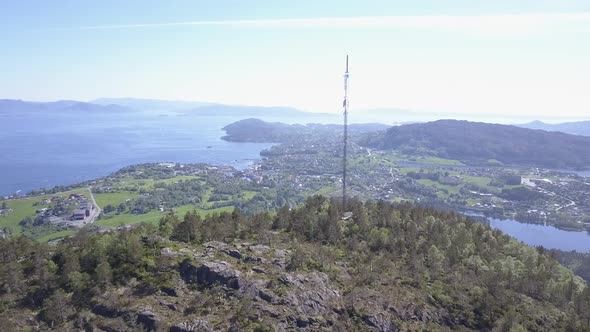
{"x": 251, "y": 163}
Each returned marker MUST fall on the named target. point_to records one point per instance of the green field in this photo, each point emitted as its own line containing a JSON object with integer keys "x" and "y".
{"x": 148, "y": 184}
{"x": 478, "y": 180}
{"x": 406, "y": 170}
{"x": 247, "y": 195}
{"x": 154, "y": 216}
{"x": 114, "y": 199}
{"x": 430, "y": 160}
{"x": 442, "y": 194}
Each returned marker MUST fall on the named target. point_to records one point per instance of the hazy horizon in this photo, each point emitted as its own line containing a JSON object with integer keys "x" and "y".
{"x": 460, "y": 58}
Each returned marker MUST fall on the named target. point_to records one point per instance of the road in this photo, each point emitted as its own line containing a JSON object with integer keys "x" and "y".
{"x": 96, "y": 211}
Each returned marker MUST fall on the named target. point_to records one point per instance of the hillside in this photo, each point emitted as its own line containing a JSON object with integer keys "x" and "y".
{"x": 255, "y": 130}
{"x": 477, "y": 143}
{"x": 387, "y": 268}
{"x": 574, "y": 128}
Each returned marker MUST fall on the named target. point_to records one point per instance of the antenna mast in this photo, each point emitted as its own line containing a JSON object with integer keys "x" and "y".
{"x": 345, "y": 106}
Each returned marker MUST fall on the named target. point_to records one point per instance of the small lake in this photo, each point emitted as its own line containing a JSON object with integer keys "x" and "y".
{"x": 546, "y": 236}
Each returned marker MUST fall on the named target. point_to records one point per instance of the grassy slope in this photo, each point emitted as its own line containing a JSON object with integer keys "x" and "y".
{"x": 114, "y": 199}
{"x": 153, "y": 217}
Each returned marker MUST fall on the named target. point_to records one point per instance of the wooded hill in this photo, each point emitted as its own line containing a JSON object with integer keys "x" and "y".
{"x": 478, "y": 143}
{"x": 387, "y": 268}
{"x": 255, "y": 130}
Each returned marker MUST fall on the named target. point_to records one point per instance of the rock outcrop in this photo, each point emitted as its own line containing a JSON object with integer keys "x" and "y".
{"x": 193, "y": 326}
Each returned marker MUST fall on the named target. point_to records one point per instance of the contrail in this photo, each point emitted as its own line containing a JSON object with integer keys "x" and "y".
{"x": 486, "y": 22}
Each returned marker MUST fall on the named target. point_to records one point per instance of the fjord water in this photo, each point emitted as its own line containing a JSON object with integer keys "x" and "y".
{"x": 544, "y": 235}
{"x": 42, "y": 150}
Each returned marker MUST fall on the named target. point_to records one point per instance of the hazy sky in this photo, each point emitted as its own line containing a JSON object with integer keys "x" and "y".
{"x": 501, "y": 57}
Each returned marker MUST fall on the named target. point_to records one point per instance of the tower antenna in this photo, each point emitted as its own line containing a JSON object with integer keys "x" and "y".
{"x": 345, "y": 106}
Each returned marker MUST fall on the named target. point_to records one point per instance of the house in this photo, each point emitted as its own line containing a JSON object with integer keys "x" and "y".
{"x": 79, "y": 215}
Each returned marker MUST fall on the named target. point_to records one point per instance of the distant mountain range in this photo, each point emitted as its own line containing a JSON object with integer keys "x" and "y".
{"x": 479, "y": 143}
{"x": 11, "y": 105}
{"x": 153, "y": 105}
{"x": 575, "y": 128}
{"x": 199, "y": 108}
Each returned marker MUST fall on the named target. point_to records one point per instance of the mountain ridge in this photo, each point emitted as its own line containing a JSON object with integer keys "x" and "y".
{"x": 478, "y": 142}
{"x": 574, "y": 127}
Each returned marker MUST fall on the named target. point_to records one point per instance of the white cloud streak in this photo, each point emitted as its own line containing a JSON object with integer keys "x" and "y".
{"x": 483, "y": 23}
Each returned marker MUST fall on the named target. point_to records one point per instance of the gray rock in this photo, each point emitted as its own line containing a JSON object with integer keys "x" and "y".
{"x": 258, "y": 269}
{"x": 380, "y": 322}
{"x": 170, "y": 306}
{"x": 218, "y": 272}
{"x": 259, "y": 249}
{"x": 251, "y": 259}
{"x": 215, "y": 245}
{"x": 280, "y": 263}
{"x": 270, "y": 311}
{"x": 302, "y": 322}
{"x": 282, "y": 253}
{"x": 194, "y": 326}
{"x": 268, "y": 297}
{"x": 169, "y": 252}
{"x": 235, "y": 254}
{"x": 310, "y": 295}
{"x": 149, "y": 320}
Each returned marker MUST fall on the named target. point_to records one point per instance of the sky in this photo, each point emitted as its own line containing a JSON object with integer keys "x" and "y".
{"x": 525, "y": 58}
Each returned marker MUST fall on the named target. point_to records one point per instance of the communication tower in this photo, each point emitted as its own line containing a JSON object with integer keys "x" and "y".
{"x": 345, "y": 106}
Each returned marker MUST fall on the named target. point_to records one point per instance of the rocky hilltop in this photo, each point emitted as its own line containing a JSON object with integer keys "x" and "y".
{"x": 386, "y": 268}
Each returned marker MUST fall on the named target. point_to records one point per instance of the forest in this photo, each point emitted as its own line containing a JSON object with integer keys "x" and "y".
{"x": 389, "y": 267}
{"x": 478, "y": 143}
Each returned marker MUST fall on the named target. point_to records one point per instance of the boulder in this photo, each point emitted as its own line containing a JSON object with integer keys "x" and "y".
{"x": 109, "y": 312}
{"x": 170, "y": 291}
{"x": 218, "y": 272}
{"x": 235, "y": 253}
{"x": 149, "y": 320}
{"x": 170, "y": 306}
{"x": 302, "y": 322}
{"x": 222, "y": 273}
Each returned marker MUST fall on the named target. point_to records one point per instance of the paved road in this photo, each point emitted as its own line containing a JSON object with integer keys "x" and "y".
{"x": 96, "y": 211}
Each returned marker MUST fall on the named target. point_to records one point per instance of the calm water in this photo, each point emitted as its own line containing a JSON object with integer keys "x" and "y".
{"x": 44, "y": 150}
{"x": 546, "y": 236}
